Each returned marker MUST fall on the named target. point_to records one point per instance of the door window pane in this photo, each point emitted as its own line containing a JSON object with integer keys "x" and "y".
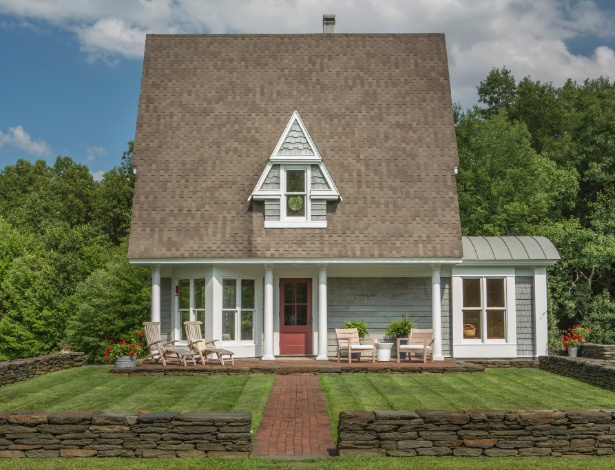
{"x": 184, "y": 293}
{"x": 495, "y": 292}
{"x": 289, "y": 293}
{"x": 289, "y": 315}
{"x": 302, "y": 293}
{"x": 199, "y": 293}
{"x": 495, "y": 324}
{"x": 302, "y": 315}
{"x": 247, "y": 293}
{"x": 247, "y": 330}
{"x": 228, "y": 325}
{"x": 471, "y": 324}
{"x": 471, "y": 293}
{"x": 229, "y": 293}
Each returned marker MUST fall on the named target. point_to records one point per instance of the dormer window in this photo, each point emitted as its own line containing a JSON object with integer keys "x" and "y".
{"x": 295, "y": 184}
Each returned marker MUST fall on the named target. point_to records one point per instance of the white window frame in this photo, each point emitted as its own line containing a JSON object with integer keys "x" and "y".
{"x": 482, "y": 309}
{"x": 238, "y": 309}
{"x": 308, "y": 206}
{"x": 192, "y": 311}
{"x": 484, "y": 347}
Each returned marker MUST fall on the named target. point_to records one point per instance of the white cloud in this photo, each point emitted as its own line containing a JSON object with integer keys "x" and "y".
{"x": 528, "y": 36}
{"x": 97, "y": 175}
{"x": 93, "y": 152}
{"x": 17, "y": 137}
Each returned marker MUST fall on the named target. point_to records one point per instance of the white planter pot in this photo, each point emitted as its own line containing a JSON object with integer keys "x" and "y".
{"x": 383, "y": 352}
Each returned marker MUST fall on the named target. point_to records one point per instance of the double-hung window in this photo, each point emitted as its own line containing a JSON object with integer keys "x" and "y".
{"x": 296, "y": 198}
{"x": 190, "y": 302}
{"x": 484, "y": 309}
{"x": 238, "y": 310}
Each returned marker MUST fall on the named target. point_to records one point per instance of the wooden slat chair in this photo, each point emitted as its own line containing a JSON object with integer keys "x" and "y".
{"x": 204, "y": 348}
{"x": 348, "y": 341}
{"x": 160, "y": 350}
{"x": 420, "y": 341}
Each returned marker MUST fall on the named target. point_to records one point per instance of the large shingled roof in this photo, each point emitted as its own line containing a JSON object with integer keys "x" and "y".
{"x": 377, "y": 106}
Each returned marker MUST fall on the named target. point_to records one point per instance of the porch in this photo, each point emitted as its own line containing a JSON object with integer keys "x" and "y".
{"x": 286, "y": 366}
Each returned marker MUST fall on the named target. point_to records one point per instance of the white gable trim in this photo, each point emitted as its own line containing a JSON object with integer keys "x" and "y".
{"x": 259, "y": 194}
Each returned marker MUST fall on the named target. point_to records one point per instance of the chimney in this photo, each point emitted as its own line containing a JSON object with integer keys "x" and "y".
{"x": 328, "y": 24}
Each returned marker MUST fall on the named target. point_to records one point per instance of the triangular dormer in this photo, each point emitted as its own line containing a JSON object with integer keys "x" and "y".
{"x": 295, "y": 183}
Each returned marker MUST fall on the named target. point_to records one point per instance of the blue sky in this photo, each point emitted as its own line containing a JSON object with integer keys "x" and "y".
{"x": 71, "y": 69}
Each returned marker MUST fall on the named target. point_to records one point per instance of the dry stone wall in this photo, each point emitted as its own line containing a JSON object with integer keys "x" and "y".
{"x": 476, "y": 433}
{"x": 163, "y": 434}
{"x": 591, "y": 371}
{"x": 24, "y": 369}
{"x": 605, "y": 352}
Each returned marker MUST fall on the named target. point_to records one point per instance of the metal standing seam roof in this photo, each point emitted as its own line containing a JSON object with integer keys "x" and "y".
{"x": 509, "y": 249}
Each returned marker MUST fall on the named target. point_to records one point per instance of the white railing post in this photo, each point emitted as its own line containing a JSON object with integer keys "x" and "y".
{"x": 155, "y": 270}
{"x": 436, "y": 312}
{"x": 322, "y": 314}
{"x": 268, "y": 314}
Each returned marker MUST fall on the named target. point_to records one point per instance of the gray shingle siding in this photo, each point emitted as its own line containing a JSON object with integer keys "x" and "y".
{"x": 272, "y": 209}
{"x": 319, "y": 210}
{"x": 524, "y": 295}
{"x": 318, "y": 180}
{"x": 376, "y": 301}
{"x": 272, "y": 181}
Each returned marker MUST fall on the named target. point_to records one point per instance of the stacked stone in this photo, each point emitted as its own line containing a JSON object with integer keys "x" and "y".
{"x": 605, "y": 352}
{"x": 24, "y": 369}
{"x": 506, "y": 363}
{"x": 477, "y": 433}
{"x": 591, "y": 371}
{"x": 163, "y": 434}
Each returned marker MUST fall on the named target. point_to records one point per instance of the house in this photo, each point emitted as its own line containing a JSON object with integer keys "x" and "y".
{"x": 288, "y": 183}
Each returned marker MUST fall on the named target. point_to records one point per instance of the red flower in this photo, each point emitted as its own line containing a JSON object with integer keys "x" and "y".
{"x": 122, "y": 342}
{"x": 132, "y": 353}
{"x": 139, "y": 334}
{"x": 111, "y": 341}
{"x": 141, "y": 344}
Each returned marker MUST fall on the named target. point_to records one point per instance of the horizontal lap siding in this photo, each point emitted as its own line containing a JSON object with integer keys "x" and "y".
{"x": 524, "y": 295}
{"x": 376, "y": 301}
{"x": 272, "y": 209}
{"x": 165, "y": 308}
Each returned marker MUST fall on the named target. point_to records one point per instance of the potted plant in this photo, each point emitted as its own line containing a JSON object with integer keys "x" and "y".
{"x": 361, "y": 330}
{"x": 574, "y": 338}
{"x": 399, "y": 329}
{"x": 359, "y": 325}
{"x": 124, "y": 352}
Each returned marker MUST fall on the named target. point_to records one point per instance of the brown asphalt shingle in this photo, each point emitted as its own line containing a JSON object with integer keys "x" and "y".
{"x": 212, "y": 108}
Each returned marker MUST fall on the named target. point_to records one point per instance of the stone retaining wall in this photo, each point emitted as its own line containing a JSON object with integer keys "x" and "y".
{"x": 591, "y": 371}
{"x": 24, "y": 369}
{"x": 164, "y": 434}
{"x": 505, "y": 363}
{"x": 605, "y": 352}
{"x": 476, "y": 433}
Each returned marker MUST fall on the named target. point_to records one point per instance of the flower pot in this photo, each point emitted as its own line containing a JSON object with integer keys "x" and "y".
{"x": 383, "y": 352}
{"x": 469, "y": 330}
{"x": 572, "y": 352}
{"x": 125, "y": 361}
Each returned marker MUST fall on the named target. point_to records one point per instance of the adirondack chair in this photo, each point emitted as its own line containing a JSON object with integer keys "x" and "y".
{"x": 420, "y": 341}
{"x": 160, "y": 350}
{"x": 348, "y": 341}
{"x": 204, "y": 348}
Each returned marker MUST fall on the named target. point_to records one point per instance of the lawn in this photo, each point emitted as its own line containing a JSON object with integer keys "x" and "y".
{"x": 494, "y": 389}
{"x": 93, "y": 388}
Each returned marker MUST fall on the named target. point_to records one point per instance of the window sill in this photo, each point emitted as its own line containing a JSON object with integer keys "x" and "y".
{"x": 302, "y": 224}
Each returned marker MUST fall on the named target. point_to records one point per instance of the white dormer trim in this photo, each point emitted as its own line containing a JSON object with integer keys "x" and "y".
{"x": 275, "y": 158}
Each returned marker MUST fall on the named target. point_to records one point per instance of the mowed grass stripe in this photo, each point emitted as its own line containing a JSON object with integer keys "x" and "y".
{"x": 93, "y": 388}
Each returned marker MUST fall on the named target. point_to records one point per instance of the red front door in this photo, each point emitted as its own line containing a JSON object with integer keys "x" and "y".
{"x": 296, "y": 316}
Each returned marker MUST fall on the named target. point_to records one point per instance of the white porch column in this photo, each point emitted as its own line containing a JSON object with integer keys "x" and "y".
{"x": 540, "y": 311}
{"x": 268, "y": 314}
{"x": 155, "y": 270}
{"x": 322, "y": 314}
{"x": 436, "y": 312}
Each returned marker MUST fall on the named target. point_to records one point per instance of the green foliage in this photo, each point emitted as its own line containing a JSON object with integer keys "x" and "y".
{"x": 112, "y": 302}
{"x": 539, "y": 160}
{"x": 359, "y": 325}
{"x": 399, "y": 327}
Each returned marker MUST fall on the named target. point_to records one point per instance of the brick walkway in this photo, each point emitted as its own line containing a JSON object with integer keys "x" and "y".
{"x": 295, "y": 422}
